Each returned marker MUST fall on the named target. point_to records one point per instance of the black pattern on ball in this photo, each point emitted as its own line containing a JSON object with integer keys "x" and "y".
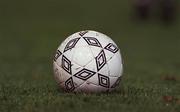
{"x": 82, "y": 33}
{"x": 71, "y": 44}
{"x": 100, "y": 60}
{"x": 66, "y": 64}
{"x": 104, "y": 80}
{"x": 112, "y": 48}
{"x": 92, "y": 41}
{"x": 57, "y": 55}
{"x": 84, "y": 74}
{"x": 69, "y": 85}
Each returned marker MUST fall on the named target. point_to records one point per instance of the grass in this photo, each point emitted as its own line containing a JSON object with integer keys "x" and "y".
{"x": 30, "y": 32}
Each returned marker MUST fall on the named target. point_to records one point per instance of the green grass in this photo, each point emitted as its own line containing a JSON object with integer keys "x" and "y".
{"x": 30, "y": 32}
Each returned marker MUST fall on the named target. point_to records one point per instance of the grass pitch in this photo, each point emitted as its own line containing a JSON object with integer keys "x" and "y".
{"x": 30, "y": 32}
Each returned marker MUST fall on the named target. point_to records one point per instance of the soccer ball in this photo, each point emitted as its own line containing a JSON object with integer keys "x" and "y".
{"x": 88, "y": 62}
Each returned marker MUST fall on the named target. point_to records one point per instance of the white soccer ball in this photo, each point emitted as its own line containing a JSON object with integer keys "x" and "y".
{"x": 88, "y": 61}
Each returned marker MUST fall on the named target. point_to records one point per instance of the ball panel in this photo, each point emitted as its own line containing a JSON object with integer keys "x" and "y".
{"x": 94, "y": 80}
{"x": 82, "y": 56}
{"x": 115, "y": 65}
{"x": 69, "y": 54}
{"x": 81, "y": 43}
{"x": 95, "y": 50}
{"x": 108, "y": 55}
{"x": 104, "y": 70}
{"x": 77, "y": 81}
{"x": 91, "y": 66}
{"x": 75, "y": 67}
